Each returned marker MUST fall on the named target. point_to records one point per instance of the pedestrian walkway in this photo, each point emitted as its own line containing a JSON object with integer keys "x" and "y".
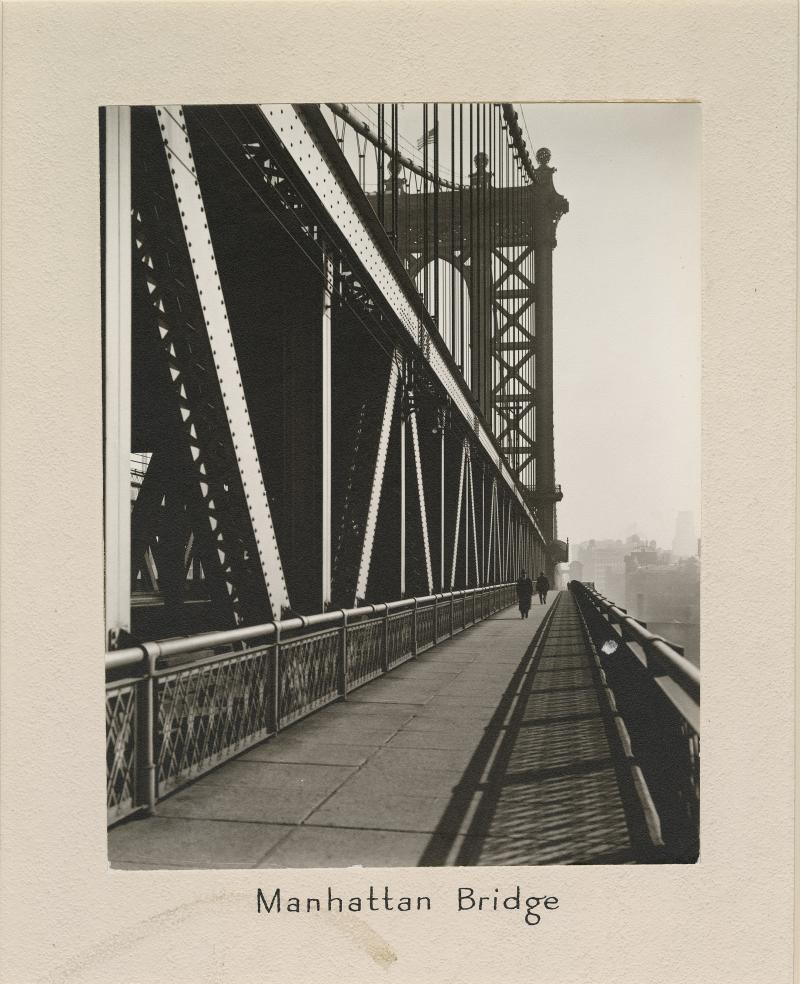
{"x": 495, "y": 747}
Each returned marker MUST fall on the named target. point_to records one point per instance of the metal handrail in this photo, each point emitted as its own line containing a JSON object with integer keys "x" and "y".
{"x": 656, "y": 693}
{"x": 664, "y": 658}
{"x": 157, "y": 710}
{"x": 183, "y": 645}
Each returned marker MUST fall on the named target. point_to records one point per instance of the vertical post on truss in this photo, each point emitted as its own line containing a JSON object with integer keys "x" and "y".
{"x": 402, "y": 503}
{"x": 474, "y": 526}
{"x": 421, "y": 495}
{"x": 117, "y": 369}
{"x": 326, "y": 429}
{"x": 483, "y": 520}
{"x": 466, "y": 523}
{"x": 441, "y": 511}
{"x": 458, "y": 514}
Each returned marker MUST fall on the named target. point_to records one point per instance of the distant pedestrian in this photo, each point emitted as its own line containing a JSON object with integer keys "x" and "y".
{"x": 542, "y": 587}
{"x": 524, "y": 594}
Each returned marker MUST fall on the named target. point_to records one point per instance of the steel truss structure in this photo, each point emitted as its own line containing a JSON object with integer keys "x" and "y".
{"x": 480, "y": 247}
{"x": 305, "y": 438}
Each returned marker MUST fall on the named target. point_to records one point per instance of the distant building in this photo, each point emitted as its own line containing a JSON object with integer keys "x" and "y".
{"x": 667, "y": 597}
{"x": 562, "y": 576}
{"x": 603, "y": 563}
{"x": 684, "y": 543}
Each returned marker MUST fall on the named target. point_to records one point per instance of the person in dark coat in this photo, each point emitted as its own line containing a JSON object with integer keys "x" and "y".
{"x": 524, "y": 594}
{"x": 542, "y": 587}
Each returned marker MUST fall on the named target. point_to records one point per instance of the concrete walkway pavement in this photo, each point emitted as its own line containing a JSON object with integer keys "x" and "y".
{"x": 484, "y": 750}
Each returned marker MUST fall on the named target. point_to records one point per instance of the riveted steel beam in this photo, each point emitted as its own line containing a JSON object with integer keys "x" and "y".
{"x": 488, "y": 558}
{"x": 474, "y": 525}
{"x": 177, "y": 148}
{"x": 338, "y": 200}
{"x": 403, "y": 505}
{"x": 441, "y": 509}
{"x": 377, "y": 479}
{"x": 458, "y": 513}
{"x": 421, "y": 497}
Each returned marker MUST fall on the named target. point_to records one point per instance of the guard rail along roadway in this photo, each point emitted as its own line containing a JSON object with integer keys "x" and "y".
{"x": 657, "y": 694}
{"x": 177, "y": 708}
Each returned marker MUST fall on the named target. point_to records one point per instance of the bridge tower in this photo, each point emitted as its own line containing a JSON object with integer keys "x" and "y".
{"x": 506, "y": 265}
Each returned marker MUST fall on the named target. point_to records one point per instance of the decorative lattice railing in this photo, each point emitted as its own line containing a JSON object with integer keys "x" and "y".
{"x": 176, "y": 709}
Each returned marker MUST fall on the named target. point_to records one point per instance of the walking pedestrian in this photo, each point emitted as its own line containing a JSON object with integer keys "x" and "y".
{"x": 542, "y": 587}
{"x": 524, "y": 594}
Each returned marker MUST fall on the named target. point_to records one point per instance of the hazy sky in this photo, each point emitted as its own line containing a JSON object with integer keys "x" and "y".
{"x": 626, "y": 309}
{"x": 626, "y": 315}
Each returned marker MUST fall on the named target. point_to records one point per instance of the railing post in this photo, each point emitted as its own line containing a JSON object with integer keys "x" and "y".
{"x": 386, "y": 640}
{"x": 146, "y": 752}
{"x": 343, "y": 659}
{"x": 452, "y": 611}
{"x": 275, "y": 683}
{"x": 435, "y": 619}
{"x": 414, "y": 636}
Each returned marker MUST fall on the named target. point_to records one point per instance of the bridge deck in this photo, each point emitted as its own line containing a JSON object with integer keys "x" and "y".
{"x": 493, "y": 748}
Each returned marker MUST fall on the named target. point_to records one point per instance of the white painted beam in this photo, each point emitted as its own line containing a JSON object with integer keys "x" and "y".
{"x": 188, "y": 194}
{"x": 421, "y": 496}
{"x": 327, "y": 293}
{"x": 117, "y": 388}
{"x": 458, "y": 514}
{"x": 377, "y": 481}
{"x": 474, "y": 526}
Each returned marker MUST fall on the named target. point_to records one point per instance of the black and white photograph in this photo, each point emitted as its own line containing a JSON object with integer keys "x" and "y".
{"x": 402, "y": 484}
{"x": 397, "y": 468}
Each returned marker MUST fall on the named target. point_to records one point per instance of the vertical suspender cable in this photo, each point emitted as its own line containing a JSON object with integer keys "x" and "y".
{"x": 425, "y": 253}
{"x": 461, "y": 358}
{"x": 453, "y": 231}
{"x": 472, "y": 281}
{"x": 381, "y": 137}
{"x": 492, "y": 240}
{"x": 436, "y": 216}
{"x": 478, "y": 257}
{"x": 395, "y": 168}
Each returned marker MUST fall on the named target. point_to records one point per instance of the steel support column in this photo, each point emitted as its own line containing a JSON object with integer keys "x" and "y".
{"x": 117, "y": 370}
{"x": 326, "y": 430}
{"x": 402, "y": 504}
{"x": 441, "y": 511}
{"x": 466, "y": 518}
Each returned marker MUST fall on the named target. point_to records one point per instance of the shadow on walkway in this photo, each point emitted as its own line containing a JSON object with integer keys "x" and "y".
{"x": 548, "y": 783}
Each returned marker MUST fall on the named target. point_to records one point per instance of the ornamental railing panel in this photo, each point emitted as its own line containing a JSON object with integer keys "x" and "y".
{"x": 177, "y": 708}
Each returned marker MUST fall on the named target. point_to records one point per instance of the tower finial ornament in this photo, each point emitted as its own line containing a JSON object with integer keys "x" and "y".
{"x": 543, "y": 155}
{"x": 481, "y": 175}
